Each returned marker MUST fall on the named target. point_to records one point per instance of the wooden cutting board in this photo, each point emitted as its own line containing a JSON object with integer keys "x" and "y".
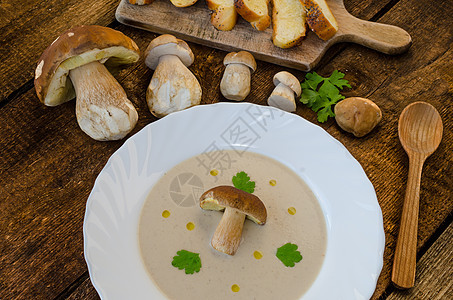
{"x": 193, "y": 24}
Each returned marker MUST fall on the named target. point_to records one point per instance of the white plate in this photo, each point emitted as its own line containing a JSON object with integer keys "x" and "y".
{"x": 355, "y": 242}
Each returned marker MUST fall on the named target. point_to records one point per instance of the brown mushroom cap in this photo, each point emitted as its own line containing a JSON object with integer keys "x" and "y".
{"x": 289, "y": 80}
{"x": 241, "y": 57}
{"x": 167, "y": 44}
{"x": 220, "y": 197}
{"x": 74, "y": 48}
{"x": 357, "y": 115}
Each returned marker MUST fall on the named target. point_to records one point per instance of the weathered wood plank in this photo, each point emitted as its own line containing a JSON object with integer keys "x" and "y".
{"x": 434, "y": 276}
{"x": 84, "y": 291}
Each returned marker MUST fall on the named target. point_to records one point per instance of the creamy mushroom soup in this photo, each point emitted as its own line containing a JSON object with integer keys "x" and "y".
{"x": 172, "y": 220}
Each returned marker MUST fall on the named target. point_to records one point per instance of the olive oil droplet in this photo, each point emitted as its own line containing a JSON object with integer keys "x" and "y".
{"x": 273, "y": 182}
{"x": 165, "y": 214}
{"x": 258, "y": 254}
{"x": 190, "y": 226}
{"x": 235, "y": 288}
{"x": 214, "y": 172}
{"x": 292, "y": 210}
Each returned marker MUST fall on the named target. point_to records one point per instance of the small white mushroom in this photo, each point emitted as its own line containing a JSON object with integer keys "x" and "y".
{"x": 286, "y": 85}
{"x": 236, "y": 80}
{"x": 173, "y": 86}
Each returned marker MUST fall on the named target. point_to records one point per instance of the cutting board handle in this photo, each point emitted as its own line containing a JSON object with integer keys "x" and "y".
{"x": 384, "y": 38}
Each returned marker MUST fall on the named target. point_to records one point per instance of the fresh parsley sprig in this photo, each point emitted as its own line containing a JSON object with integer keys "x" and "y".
{"x": 322, "y": 99}
{"x": 188, "y": 261}
{"x": 242, "y": 181}
{"x": 289, "y": 255}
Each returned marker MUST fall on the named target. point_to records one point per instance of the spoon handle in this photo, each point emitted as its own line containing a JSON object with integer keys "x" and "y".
{"x": 403, "y": 273}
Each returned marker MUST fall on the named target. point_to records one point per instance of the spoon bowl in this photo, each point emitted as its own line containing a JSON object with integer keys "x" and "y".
{"x": 420, "y": 128}
{"x": 420, "y": 132}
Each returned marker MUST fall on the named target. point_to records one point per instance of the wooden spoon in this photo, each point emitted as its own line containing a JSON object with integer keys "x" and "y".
{"x": 420, "y": 132}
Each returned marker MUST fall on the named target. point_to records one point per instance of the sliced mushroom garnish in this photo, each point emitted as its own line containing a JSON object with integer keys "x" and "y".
{"x": 237, "y": 205}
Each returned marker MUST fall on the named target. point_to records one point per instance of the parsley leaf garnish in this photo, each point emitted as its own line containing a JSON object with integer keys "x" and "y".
{"x": 187, "y": 260}
{"x": 242, "y": 181}
{"x": 288, "y": 254}
{"x": 322, "y": 99}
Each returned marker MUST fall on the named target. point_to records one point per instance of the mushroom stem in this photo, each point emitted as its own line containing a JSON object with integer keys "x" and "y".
{"x": 171, "y": 59}
{"x": 173, "y": 87}
{"x": 235, "y": 84}
{"x": 102, "y": 108}
{"x": 282, "y": 97}
{"x": 228, "y": 234}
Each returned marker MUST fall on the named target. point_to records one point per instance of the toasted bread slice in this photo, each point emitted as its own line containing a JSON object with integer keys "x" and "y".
{"x": 320, "y": 18}
{"x": 183, "y": 3}
{"x": 224, "y": 15}
{"x": 289, "y": 23}
{"x": 140, "y": 2}
{"x": 256, "y": 12}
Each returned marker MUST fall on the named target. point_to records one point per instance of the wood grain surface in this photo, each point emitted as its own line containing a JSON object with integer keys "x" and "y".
{"x": 48, "y": 165}
{"x": 193, "y": 24}
{"x": 434, "y": 280}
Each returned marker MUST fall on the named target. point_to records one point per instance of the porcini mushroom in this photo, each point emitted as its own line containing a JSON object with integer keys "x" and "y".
{"x": 173, "y": 87}
{"x": 357, "y": 115}
{"x": 286, "y": 86}
{"x": 237, "y": 205}
{"x": 236, "y": 80}
{"x": 102, "y": 108}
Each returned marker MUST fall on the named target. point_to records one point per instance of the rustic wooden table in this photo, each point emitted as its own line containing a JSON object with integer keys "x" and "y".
{"x": 48, "y": 165}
